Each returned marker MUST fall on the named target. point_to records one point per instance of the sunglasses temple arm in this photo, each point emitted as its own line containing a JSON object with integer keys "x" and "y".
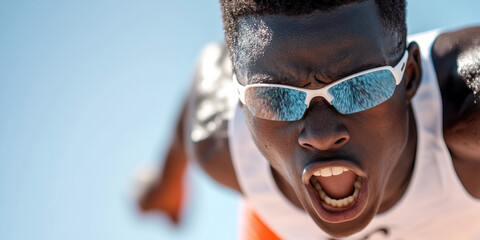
{"x": 240, "y": 89}
{"x": 400, "y": 68}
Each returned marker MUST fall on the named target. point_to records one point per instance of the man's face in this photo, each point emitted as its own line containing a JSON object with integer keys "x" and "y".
{"x": 311, "y": 51}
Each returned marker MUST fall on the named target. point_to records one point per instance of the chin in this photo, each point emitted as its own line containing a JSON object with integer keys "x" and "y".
{"x": 345, "y": 229}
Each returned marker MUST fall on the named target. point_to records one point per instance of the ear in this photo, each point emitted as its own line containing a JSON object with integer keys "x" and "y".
{"x": 413, "y": 71}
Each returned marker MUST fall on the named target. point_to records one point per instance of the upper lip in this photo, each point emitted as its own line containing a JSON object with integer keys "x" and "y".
{"x": 309, "y": 169}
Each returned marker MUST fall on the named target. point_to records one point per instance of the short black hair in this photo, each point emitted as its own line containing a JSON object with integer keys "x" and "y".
{"x": 392, "y": 13}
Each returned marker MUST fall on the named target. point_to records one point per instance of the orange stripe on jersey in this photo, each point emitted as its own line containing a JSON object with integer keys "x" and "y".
{"x": 252, "y": 227}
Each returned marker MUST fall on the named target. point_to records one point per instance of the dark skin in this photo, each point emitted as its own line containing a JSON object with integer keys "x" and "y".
{"x": 381, "y": 140}
{"x": 461, "y": 115}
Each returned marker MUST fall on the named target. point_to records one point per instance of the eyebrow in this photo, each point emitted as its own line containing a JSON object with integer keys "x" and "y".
{"x": 340, "y": 75}
{"x": 284, "y": 80}
{"x": 268, "y": 78}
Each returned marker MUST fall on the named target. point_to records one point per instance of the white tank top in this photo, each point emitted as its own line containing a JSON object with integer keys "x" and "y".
{"x": 434, "y": 206}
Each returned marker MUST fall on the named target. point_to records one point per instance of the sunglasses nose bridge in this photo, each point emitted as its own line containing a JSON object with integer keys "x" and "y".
{"x": 318, "y": 93}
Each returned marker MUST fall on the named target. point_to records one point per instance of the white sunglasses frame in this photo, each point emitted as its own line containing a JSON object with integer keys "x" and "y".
{"x": 397, "y": 72}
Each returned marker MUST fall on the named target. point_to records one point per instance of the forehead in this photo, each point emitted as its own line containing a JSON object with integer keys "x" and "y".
{"x": 328, "y": 44}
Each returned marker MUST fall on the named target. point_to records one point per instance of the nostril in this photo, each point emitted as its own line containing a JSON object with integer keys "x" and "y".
{"x": 341, "y": 140}
{"x": 307, "y": 145}
{"x": 323, "y": 138}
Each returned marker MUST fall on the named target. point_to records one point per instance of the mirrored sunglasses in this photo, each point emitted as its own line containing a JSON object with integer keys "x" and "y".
{"x": 355, "y": 93}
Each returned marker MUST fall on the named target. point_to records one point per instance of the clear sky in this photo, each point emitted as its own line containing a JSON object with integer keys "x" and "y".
{"x": 89, "y": 91}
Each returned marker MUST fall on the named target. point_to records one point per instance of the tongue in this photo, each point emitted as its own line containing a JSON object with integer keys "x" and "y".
{"x": 339, "y": 186}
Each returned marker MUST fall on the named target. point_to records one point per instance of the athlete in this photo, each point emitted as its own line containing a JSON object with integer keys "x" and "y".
{"x": 332, "y": 124}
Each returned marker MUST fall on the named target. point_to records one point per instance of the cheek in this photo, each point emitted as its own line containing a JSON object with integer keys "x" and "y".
{"x": 276, "y": 140}
{"x": 390, "y": 124}
{"x": 398, "y": 123}
{"x": 393, "y": 117}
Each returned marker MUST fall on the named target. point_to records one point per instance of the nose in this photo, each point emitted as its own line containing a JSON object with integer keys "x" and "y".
{"x": 323, "y": 130}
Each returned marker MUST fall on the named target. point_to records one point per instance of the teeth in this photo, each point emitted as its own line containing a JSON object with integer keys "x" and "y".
{"x": 357, "y": 184}
{"x": 328, "y": 200}
{"x": 337, "y": 202}
{"x": 355, "y": 193}
{"x": 323, "y": 195}
{"x": 337, "y": 170}
{"x": 327, "y": 172}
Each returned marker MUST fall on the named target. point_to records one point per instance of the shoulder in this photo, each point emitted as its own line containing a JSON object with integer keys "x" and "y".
{"x": 456, "y": 57}
{"x": 210, "y": 103}
{"x": 211, "y": 95}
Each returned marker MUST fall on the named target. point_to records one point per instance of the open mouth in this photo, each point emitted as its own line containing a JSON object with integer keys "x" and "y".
{"x": 338, "y": 191}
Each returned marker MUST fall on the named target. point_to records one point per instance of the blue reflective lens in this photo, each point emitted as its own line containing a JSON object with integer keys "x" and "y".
{"x": 276, "y": 103}
{"x": 363, "y": 92}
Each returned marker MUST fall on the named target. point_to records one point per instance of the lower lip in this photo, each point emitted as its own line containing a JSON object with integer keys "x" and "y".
{"x": 337, "y": 215}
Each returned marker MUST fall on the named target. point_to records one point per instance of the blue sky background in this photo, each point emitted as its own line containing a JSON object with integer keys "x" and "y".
{"x": 89, "y": 91}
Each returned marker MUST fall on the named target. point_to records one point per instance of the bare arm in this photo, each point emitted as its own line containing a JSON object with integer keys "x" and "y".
{"x": 200, "y": 136}
{"x": 206, "y": 135}
{"x": 165, "y": 192}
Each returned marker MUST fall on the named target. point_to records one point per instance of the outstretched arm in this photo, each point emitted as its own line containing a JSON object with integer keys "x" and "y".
{"x": 210, "y": 106}
{"x": 201, "y": 135}
{"x": 165, "y": 192}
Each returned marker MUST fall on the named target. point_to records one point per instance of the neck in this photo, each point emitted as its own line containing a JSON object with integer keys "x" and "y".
{"x": 403, "y": 171}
